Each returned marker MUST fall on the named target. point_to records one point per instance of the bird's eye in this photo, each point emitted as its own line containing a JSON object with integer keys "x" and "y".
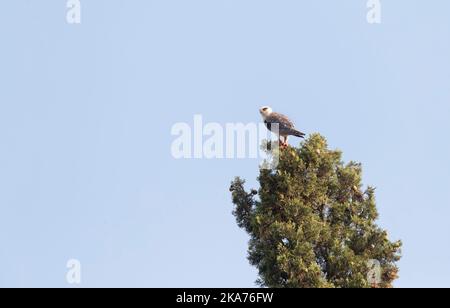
{"x": 264, "y": 109}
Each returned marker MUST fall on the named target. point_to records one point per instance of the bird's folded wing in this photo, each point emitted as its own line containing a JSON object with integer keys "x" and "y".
{"x": 281, "y": 120}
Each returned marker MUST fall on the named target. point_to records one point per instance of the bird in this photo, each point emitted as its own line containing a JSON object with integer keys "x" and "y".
{"x": 285, "y": 126}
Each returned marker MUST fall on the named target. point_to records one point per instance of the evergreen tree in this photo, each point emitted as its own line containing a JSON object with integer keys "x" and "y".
{"x": 312, "y": 225}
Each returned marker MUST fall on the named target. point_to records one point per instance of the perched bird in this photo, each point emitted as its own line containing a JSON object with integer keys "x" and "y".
{"x": 285, "y": 126}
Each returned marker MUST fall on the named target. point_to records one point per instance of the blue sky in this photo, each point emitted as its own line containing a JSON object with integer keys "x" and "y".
{"x": 86, "y": 111}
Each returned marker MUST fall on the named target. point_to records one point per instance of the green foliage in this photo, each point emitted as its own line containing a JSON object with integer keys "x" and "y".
{"x": 312, "y": 225}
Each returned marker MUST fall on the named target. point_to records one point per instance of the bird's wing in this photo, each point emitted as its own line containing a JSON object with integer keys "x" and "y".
{"x": 280, "y": 119}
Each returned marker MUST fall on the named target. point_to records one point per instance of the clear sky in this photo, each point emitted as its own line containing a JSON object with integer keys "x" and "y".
{"x": 86, "y": 111}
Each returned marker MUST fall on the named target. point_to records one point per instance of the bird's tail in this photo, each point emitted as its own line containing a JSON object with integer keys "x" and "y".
{"x": 297, "y": 133}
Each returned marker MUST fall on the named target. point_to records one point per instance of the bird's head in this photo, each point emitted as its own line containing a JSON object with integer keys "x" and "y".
{"x": 265, "y": 111}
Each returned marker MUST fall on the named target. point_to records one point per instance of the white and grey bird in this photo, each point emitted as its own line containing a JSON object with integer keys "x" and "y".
{"x": 285, "y": 126}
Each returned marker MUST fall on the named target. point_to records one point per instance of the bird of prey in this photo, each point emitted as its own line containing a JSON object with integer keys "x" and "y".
{"x": 285, "y": 126}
